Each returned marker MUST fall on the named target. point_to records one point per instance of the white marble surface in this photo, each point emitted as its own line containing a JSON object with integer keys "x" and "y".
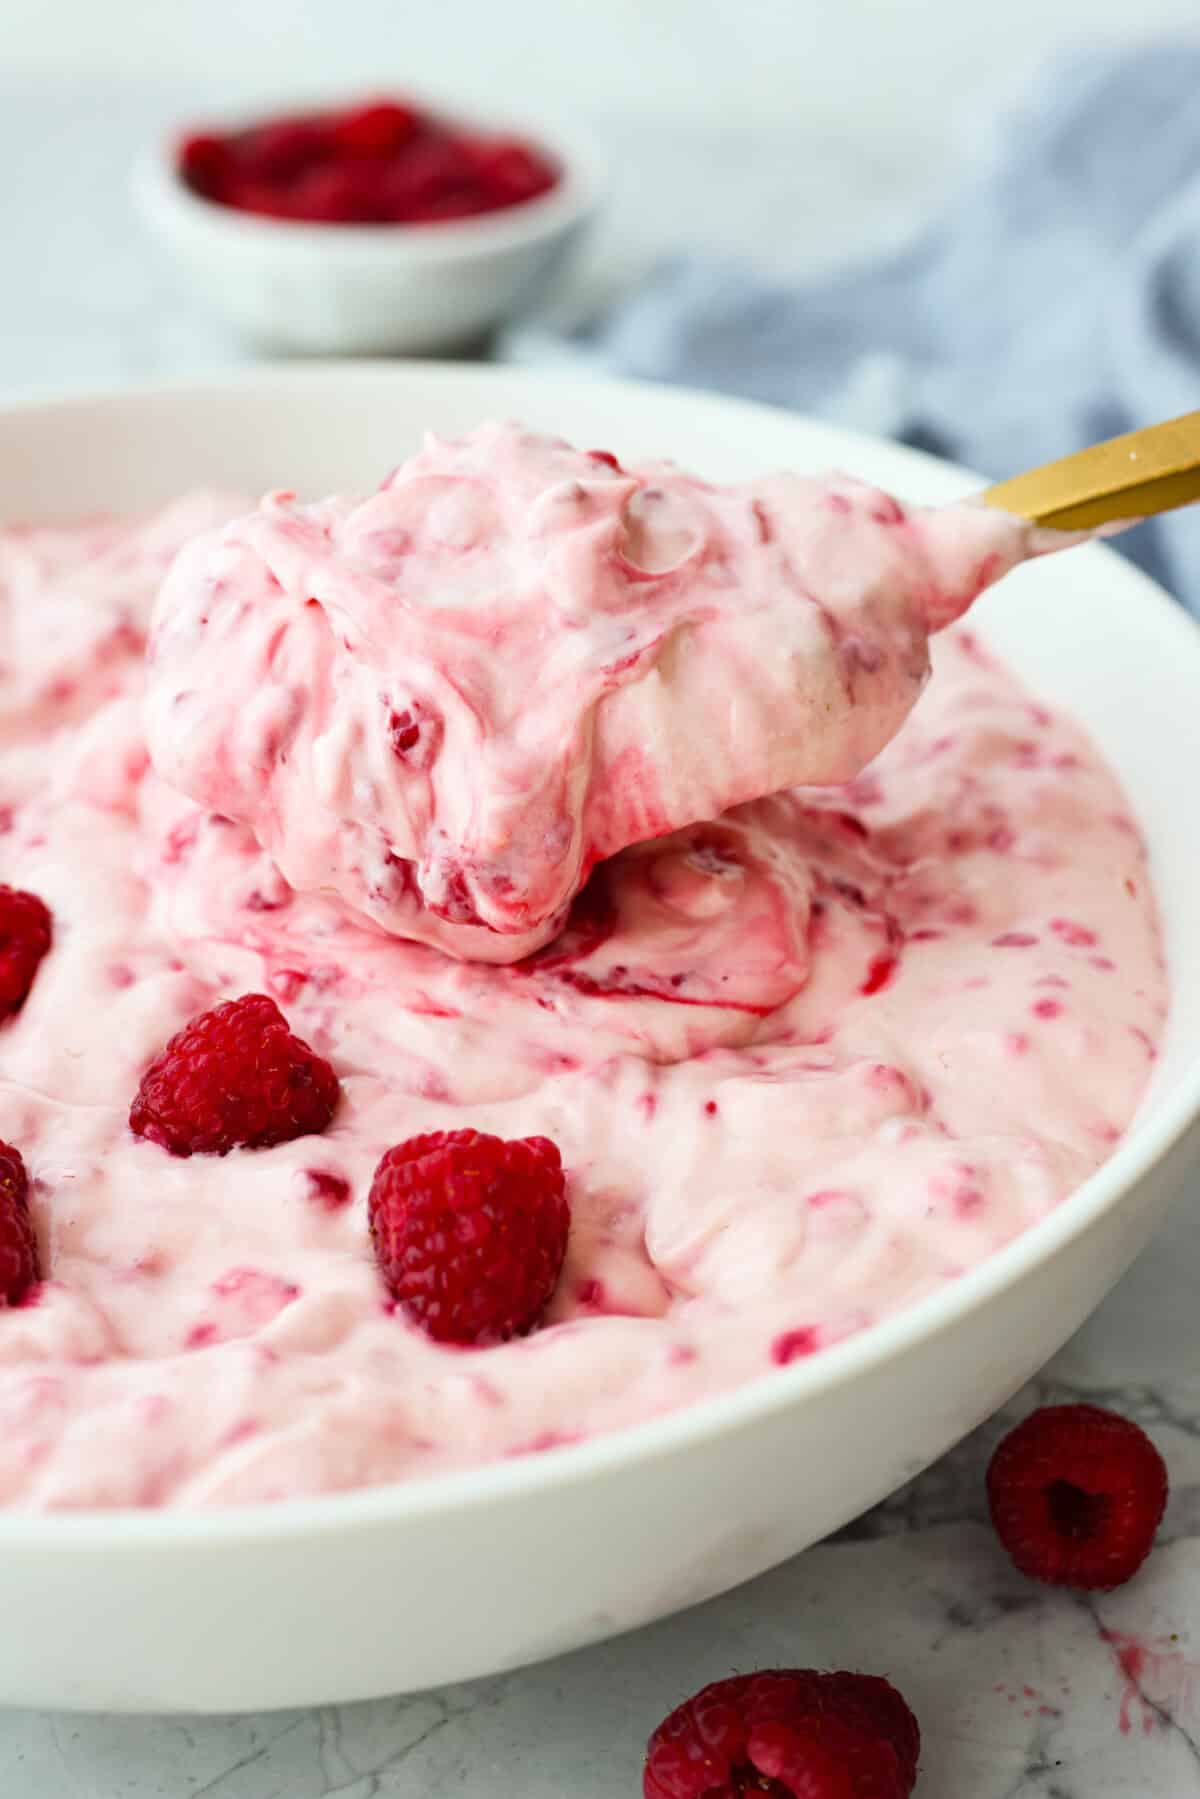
{"x": 1023, "y": 1694}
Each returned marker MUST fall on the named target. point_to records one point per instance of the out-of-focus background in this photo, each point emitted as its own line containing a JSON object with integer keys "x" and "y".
{"x": 828, "y": 64}
{"x": 793, "y": 132}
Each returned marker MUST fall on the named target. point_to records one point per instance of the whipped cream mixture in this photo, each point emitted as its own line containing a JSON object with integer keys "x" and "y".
{"x": 448, "y": 702}
{"x": 808, "y": 1055}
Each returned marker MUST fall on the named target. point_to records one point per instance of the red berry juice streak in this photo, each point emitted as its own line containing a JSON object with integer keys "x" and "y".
{"x": 1158, "y": 1678}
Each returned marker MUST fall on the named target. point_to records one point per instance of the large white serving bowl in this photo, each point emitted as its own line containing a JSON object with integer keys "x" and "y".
{"x": 403, "y": 1587}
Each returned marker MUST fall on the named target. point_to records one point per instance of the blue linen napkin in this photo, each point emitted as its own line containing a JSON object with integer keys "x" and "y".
{"x": 1056, "y": 302}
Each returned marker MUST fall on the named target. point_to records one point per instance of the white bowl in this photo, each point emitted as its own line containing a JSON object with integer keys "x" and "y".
{"x": 370, "y": 289}
{"x": 403, "y": 1587}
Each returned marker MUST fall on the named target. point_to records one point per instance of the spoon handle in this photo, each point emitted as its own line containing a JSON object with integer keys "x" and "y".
{"x": 1126, "y": 478}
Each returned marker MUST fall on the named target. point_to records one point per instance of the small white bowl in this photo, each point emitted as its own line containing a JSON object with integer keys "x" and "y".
{"x": 331, "y": 289}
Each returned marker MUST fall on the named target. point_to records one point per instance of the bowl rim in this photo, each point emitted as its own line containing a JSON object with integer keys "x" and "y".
{"x": 1145, "y": 1143}
{"x": 164, "y": 197}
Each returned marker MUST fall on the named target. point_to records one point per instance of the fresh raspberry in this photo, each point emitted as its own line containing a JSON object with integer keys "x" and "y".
{"x": 25, "y": 932}
{"x": 19, "y": 1268}
{"x": 234, "y": 1077}
{"x": 335, "y": 194}
{"x": 376, "y": 129}
{"x": 432, "y": 171}
{"x": 463, "y": 203}
{"x": 269, "y": 200}
{"x": 1076, "y": 1495}
{"x": 820, "y": 1759}
{"x": 204, "y": 162}
{"x": 789, "y": 1732}
{"x": 470, "y": 1232}
{"x": 281, "y": 149}
{"x": 383, "y": 162}
{"x": 508, "y": 170}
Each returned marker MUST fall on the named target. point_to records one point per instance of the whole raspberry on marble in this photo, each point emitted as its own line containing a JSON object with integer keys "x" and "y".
{"x": 1076, "y": 1495}
{"x": 19, "y": 1269}
{"x": 470, "y": 1232}
{"x": 25, "y": 932}
{"x": 234, "y": 1077}
{"x": 793, "y": 1733}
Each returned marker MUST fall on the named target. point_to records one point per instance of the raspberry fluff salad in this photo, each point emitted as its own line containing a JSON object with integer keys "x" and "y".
{"x": 505, "y": 958}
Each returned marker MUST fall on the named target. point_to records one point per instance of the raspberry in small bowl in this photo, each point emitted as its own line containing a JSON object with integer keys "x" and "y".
{"x": 381, "y": 226}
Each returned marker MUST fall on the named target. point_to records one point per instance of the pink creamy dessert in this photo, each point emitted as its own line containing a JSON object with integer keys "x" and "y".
{"x": 446, "y": 703}
{"x": 807, "y": 1056}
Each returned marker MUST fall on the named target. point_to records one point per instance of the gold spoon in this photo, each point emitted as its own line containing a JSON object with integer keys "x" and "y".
{"x": 1127, "y": 478}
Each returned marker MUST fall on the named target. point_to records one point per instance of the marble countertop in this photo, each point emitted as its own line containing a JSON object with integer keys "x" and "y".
{"x": 1022, "y": 1693}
